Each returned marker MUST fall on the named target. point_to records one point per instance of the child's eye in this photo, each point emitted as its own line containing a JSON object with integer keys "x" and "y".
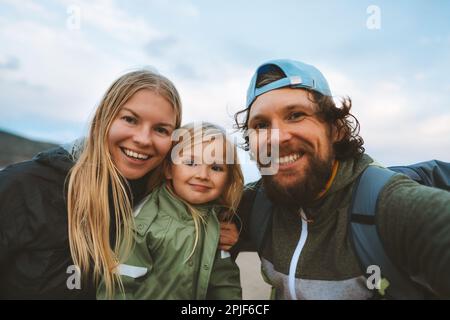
{"x": 189, "y": 162}
{"x": 217, "y": 168}
{"x": 129, "y": 119}
{"x": 162, "y": 130}
{"x": 296, "y": 115}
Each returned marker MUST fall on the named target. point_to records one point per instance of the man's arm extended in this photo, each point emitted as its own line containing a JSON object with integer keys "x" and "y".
{"x": 414, "y": 225}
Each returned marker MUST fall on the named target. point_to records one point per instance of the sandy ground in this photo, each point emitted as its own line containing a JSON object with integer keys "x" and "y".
{"x": 253, "y": 286}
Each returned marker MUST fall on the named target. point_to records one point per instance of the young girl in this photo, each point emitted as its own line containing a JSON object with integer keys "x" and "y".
{"x": 58, "y": 211}
{"x": 177, "y": 227}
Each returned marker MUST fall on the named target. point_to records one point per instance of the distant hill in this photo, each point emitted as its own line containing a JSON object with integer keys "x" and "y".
{"x": 15, "y": 148}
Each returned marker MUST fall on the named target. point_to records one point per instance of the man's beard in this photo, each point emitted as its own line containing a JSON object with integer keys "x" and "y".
{"x": 305, "y": 189}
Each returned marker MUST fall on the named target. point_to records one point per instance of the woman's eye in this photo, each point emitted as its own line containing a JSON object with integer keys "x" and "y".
{"x": 129, "y": 119}
{"x": 296, "y": 115}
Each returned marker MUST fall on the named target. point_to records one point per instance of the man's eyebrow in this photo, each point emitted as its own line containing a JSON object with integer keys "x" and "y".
{"x": 257, "y": 117}
{"x": 286, "y": 108}
{"x": 296, "y": 106}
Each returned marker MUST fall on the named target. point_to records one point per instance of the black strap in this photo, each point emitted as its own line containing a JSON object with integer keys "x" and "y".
{"x": 260, "y": 218}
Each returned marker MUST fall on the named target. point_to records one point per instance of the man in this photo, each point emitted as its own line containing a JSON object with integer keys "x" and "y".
{"x": 306, "y": 248}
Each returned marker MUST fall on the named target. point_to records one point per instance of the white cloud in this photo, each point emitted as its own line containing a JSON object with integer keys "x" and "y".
{"x": 180, "y": 8}
{"x": 106, "y": 17}
{"x": 397, "y": 123}
{"x": 29, "y": 7}
{"x": 216, "y": 97}
{"x": 72, "y": 68}
{"x": 188, "y": 10}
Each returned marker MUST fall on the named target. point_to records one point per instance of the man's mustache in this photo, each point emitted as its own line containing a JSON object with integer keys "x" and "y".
{"x": 305, "y": 148}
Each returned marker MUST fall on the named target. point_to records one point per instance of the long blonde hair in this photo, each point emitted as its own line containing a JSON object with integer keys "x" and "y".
{"x": 94, "y": 178}
{"x": 229, "y": 201}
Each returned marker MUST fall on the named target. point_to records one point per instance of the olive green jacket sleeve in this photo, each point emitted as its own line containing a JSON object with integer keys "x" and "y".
{"x": 414, "y": 225}
{"x": 224, "y": 283}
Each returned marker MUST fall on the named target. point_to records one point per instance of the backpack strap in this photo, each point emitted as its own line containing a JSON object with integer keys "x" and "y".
{"x": 260, "y": 218}
{"x": 366, "y": 240}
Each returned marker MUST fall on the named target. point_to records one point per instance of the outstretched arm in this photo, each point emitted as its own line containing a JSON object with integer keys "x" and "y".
{"x": 414, "y": 225}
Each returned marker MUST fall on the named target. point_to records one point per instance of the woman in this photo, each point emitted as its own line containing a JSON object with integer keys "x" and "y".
{"x": 56, "y": 214}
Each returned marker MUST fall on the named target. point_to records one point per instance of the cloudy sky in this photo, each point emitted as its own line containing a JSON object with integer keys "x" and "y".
{"x": 392, "y": 58}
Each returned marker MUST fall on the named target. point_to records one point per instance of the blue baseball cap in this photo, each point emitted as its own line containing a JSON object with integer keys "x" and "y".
{"x": 298, "y": 75}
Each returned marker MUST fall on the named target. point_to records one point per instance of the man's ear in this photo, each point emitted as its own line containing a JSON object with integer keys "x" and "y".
{"x": 337, "y": 132}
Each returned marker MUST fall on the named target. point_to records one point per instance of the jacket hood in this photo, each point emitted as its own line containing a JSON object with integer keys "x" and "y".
{"x": 57, "y": 158}
{"x": 349, "y": 171}
{"x": 336, "y": 198}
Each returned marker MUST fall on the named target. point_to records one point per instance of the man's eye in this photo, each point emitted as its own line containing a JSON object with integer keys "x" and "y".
{"x": 261, "y": 125}
{"x": 129, "y": 119}
{"x": 296, "y": 115}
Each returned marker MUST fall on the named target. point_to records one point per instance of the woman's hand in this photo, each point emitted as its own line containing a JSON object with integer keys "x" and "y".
{"x": 229, "y": 235}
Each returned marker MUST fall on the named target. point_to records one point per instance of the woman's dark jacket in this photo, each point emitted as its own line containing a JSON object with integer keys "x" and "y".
{"x": 35, "y": 260}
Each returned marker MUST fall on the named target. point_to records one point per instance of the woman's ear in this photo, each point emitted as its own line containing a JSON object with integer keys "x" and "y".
{"x": 168, "y": 171}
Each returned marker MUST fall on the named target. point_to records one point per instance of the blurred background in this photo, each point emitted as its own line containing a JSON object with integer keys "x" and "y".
{"x": 57, "y": 58}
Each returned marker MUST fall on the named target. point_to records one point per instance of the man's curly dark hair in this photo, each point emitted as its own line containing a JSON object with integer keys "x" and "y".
{"x": 346, "y": 124}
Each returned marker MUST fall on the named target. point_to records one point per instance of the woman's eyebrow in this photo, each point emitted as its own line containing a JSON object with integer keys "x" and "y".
{"x": 163, "y": 124}
{"x": 131, "y": 111}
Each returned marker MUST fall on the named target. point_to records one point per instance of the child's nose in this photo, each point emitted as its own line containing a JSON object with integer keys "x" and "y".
{"x": 203, "y": 172}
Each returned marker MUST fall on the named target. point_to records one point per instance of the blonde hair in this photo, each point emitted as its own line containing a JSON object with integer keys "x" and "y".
{"x": 229, "y": 200}
{"x": 94, "y": 178}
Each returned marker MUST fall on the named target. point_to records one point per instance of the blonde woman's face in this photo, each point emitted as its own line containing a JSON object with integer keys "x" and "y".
{"x": 198, "y": 178}
{"x": 140, "y": 135}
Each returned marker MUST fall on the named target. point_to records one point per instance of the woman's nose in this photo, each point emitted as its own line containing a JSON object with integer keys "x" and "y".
{"x": 142, "y": 137}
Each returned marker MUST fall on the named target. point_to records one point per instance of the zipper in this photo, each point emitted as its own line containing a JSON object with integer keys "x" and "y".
{"x": 296, "y": 256}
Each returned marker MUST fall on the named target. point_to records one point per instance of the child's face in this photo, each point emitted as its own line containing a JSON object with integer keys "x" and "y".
{"x": 140, "y": 136}
{"x": 198, "y": 179}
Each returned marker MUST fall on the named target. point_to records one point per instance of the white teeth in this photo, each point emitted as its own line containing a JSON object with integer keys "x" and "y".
{"x": 288, "y": 159}
{"x": 135, "y": 154}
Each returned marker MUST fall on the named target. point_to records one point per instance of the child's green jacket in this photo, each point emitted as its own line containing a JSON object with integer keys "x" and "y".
{"x": 158, "y": 268}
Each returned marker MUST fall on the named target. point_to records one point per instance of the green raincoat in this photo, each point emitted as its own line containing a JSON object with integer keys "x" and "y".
{"x": 158, "y": 266}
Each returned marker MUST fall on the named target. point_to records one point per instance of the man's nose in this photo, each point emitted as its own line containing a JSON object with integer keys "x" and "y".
{"x": 279, "y": 134}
